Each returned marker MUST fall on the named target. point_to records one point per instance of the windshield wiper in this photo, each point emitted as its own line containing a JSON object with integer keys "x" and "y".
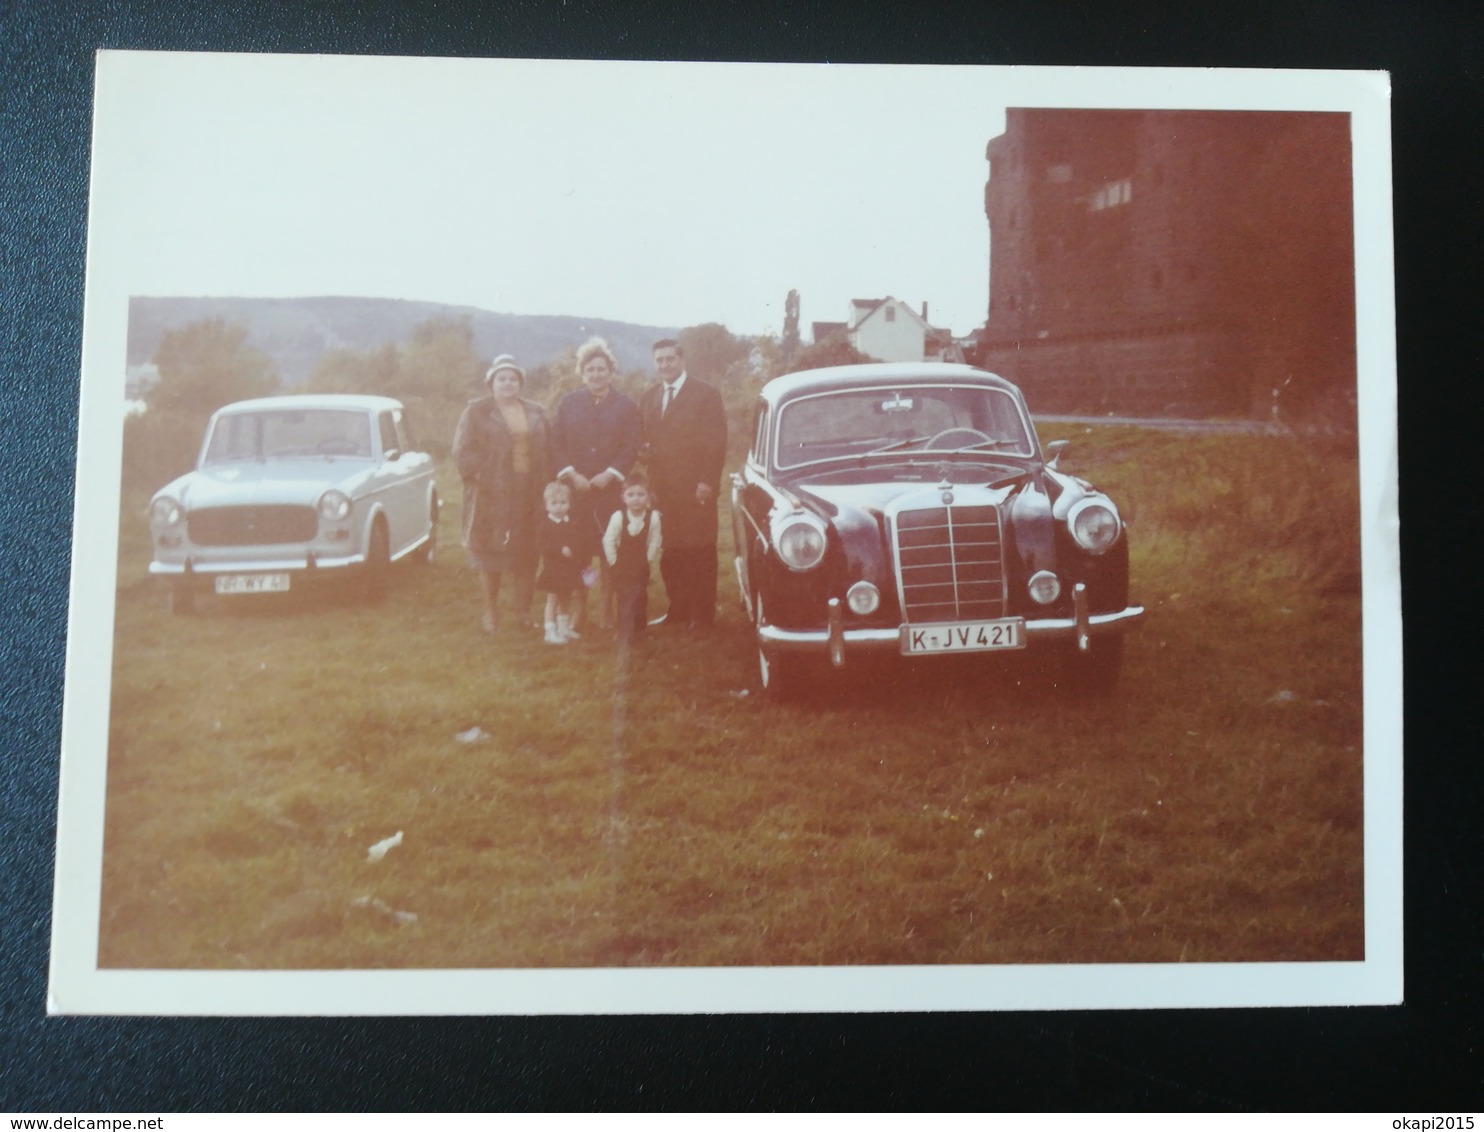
{"x": 892, "y": 446}
{"x": 984, "y": 444}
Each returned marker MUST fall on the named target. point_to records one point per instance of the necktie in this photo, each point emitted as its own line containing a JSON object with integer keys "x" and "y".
{"x": 665, "y": 404}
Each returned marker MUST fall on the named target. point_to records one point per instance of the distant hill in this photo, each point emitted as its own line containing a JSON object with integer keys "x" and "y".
{"x": 296, "y": 332}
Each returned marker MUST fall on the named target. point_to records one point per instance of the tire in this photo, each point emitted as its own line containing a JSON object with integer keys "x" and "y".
{"x": 778, "y": 672}
{"x": 1095, "y": 671}
{"x": 378, "y": 562}
{"x": 424, "y": 554}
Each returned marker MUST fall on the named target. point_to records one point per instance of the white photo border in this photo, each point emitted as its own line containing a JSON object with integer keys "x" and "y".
{"x": 79, "y": 986}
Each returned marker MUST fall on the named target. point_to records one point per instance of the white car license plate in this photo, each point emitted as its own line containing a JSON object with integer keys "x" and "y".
{"x": 252, "y": 583}
{"x": 964, "y": 636}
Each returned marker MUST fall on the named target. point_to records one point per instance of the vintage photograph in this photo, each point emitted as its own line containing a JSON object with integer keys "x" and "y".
{"x": 572, "y": 536}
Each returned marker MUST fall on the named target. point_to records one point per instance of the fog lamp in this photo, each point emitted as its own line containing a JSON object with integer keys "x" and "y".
{"x": 1044, "y": 587}
{"x": 863, "y": 598}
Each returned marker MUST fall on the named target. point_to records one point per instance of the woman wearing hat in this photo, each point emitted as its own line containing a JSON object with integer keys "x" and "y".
{"x": 503, "y": 452}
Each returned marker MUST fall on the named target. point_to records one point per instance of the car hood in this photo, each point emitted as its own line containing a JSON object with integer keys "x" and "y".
{"x": 277, "y": 481}
{"x": 841, "y": 500}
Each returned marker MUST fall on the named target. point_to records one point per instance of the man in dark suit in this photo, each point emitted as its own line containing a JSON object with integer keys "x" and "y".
{"x": 685, "y": 437}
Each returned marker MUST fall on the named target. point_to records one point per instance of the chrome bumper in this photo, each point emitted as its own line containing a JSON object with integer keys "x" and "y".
{"x": 255, "y": 566}
{"x": 836, "y": 640}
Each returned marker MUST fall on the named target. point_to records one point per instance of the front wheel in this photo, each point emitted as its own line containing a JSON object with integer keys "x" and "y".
{"x": 424, "y": 554}
{"x": 378, "y": 562}
{"x": 779, "y": 673}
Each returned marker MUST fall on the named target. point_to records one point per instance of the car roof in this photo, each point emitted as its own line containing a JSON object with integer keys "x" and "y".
{"x": 363, "y": 402}
{"x": 882, "y": 373}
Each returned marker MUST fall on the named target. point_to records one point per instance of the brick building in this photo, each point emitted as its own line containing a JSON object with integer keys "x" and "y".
{"x": 1180, "y": 262}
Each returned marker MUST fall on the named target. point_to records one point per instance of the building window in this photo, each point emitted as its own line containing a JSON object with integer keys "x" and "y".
{"x": 891, "y": 314}
{"x": 1111, "y": 195}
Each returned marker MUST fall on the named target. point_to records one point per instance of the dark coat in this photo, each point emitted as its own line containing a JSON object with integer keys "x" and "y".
{"x": 686, "y": 447}
{"x": 592, "y": 437}
{"x": 500, "y": 512}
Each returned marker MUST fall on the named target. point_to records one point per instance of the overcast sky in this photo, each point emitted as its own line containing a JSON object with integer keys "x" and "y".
{"x": 660, "y": 193}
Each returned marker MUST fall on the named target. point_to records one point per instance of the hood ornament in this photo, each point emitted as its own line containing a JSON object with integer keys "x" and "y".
{"x": 946, "y": 486}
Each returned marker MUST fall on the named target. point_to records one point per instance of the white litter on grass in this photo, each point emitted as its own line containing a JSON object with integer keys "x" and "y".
{"x": 376, "y": 903}
{"x": 473, "y": 735}
{"x": 380, "y": 849}
{"x": 1284, "y": 697}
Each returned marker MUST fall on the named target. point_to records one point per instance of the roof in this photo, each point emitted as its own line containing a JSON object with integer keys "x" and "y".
{"x": 883, "y": 373}
{"x": 823, "y": 330}
{"x": 862, "y": 309}
{"x": 871, "y": 306}
{"x": 364, "y": 402}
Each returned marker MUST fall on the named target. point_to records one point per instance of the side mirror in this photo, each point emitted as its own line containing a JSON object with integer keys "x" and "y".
{"x": 1054, "y": 451}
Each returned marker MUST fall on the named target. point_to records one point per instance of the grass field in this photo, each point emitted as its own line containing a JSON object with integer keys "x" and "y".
{"x": 660, "y": 811}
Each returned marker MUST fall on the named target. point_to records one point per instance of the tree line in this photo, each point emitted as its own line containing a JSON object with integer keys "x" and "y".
{"x": 435, "y": 373}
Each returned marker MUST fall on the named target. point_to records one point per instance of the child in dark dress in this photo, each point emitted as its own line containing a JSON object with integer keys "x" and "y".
{"x": 631, "y": 544}
{"x": 562, "y": 559}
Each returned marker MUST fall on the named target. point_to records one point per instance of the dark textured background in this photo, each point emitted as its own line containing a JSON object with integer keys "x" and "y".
{"x": 1424, "y": 1056}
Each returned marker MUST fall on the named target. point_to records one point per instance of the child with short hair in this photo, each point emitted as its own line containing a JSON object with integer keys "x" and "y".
{"x": 561, "y": 562}
{"x": 630, "y": 544}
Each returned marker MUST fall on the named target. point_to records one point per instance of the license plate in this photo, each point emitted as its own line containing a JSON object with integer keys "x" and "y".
{"x": 964, "y": 636}
{"x": 252, "y": 583}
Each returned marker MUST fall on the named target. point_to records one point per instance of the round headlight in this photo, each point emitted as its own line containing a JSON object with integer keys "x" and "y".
{"x": 165, "y": 512}
{"x": 1094, "y": 524}
{"x": 1044, "y": 587}
{"x": 863, "y": 598}
{"x": 334, "y": 505}
{"x": 800, "y": 544}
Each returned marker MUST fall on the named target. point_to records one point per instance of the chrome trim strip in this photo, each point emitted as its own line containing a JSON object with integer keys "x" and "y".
{"x": 406, "y": 550}
{"x": 1097, "y": 623}
{"x": 1079, "y": 614}
{"x": 762, "y": 538}
{"x": 741, "y": 567}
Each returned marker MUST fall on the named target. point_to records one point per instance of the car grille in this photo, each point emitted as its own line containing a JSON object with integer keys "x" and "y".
{"x": 260, "y": 525}
{"x": 951, "y": 563}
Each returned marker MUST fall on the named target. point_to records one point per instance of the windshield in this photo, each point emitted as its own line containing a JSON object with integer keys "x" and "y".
{"x": 288, "y": 433}
{"x": 911, "y": 419}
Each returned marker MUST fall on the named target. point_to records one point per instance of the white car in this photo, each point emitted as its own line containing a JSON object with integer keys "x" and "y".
{"x": 291, "y": 489}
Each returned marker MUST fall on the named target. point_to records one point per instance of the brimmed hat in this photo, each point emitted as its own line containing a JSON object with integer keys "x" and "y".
{"x": 504, "y": 361}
